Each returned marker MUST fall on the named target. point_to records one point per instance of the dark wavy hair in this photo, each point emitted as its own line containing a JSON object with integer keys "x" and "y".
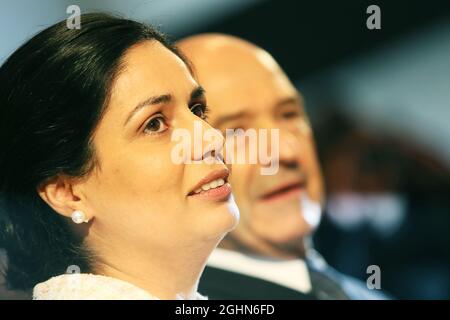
{"x": 53, "y": 92}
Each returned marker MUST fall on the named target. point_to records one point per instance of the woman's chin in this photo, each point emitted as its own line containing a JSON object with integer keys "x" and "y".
{"x": 233, "y": 212}
{"x": 220, "y": 220}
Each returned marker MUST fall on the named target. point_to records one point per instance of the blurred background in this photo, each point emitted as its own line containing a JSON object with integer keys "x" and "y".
{"x": 379, "y": 102}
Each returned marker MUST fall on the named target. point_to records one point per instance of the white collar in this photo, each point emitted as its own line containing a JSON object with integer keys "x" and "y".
{"x": 84, "y": 286}
{"x": 289, "y": 273}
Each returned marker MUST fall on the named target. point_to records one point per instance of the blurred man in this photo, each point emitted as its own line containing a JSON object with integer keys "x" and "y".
{"x": 269, "y": 255}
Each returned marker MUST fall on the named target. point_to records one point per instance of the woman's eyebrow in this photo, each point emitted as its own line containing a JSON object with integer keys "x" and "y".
{"x": 153, "y": 100}
{"x": 197, "y": 93}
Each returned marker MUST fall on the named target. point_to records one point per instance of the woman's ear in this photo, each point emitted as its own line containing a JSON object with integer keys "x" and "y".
{"x": 58, "y": 193}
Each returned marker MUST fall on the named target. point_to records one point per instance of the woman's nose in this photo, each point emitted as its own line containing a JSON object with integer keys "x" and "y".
{"x": 208, "y": 143}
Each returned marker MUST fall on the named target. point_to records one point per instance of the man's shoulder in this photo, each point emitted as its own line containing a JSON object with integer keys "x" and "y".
{"x": 354, "y": 288}
{"x": 357, "y": 289}
{"x": 217, "y": 283}
{"x": 221, "y": 283}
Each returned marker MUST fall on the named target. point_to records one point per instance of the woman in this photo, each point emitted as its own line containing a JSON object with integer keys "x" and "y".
{"x": 87, "y": 182}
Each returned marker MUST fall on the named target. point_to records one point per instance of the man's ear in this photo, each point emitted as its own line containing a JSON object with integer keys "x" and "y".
{"x": 58, "y": 193}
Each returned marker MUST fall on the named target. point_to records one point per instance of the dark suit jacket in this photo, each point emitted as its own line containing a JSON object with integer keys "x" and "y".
{"x": 327, "y": 283}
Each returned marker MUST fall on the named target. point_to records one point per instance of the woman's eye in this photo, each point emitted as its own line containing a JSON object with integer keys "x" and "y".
{"x": 200, "y": 110}
{"x": 156, "y": 125}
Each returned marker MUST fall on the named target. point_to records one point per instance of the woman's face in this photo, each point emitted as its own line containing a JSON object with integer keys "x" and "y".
{"x": 137, "y": 195}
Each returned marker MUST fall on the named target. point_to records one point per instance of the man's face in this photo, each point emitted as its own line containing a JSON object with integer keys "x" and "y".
{"x": 250, "y": 91}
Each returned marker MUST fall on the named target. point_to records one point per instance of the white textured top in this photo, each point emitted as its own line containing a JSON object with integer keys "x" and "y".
{"x": 289, "y": 273}
{"x": 84, "y": 286}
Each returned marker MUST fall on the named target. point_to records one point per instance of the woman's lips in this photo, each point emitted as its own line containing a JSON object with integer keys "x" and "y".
{"x": 216, "y": 194}
{"x": 283, "y": 193}
{"x": 213, "y": 186}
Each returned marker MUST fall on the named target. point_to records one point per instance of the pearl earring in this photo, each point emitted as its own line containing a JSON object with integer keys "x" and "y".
{"x": 79, "y": 217}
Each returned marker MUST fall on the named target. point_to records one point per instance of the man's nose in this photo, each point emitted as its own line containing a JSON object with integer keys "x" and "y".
{"x": 289, "y": 149}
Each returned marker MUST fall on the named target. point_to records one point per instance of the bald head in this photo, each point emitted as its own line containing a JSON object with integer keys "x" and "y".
{"x": 223, "y": 50}
{"x": 246, "y": 89}
{"x": 222, "y": 61}
{"x": 235, "y": 73}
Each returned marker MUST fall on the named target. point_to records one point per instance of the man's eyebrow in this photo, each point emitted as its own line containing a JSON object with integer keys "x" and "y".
{"x": 153, "y": 100}
{"x": 230, "y": 117}
{"x": 290, "y": 100}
